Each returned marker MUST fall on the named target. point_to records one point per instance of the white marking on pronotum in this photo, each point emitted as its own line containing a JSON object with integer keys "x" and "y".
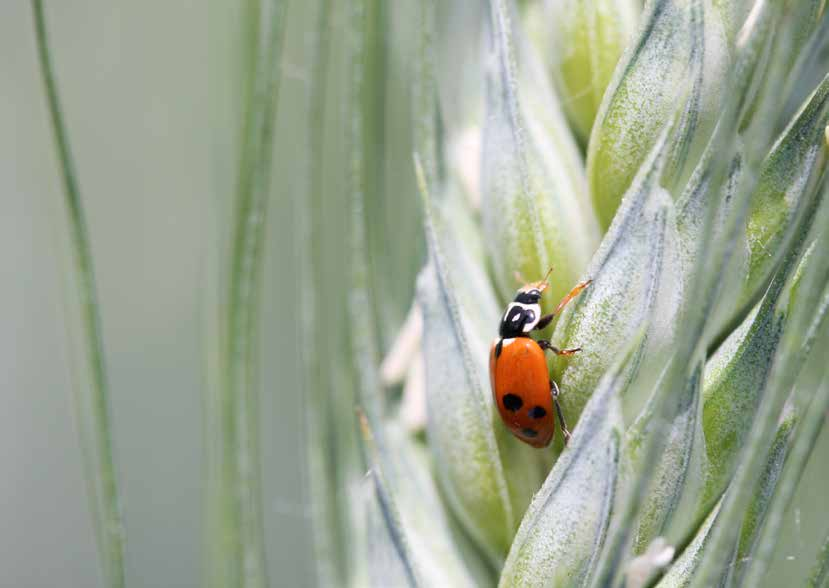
{"x": 536, "y": 317}
{"x": 533, "y": 308}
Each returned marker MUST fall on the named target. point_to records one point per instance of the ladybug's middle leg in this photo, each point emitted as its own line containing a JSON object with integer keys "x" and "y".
{"x": 555, "y": 392}
{"x": 544, "y": 344}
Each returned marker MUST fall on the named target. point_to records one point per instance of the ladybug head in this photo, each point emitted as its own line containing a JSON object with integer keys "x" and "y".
{"x": 530, "y": 293}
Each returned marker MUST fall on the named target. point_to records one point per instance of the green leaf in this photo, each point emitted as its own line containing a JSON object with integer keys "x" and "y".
{"x": 382, "y": 560}
{"x": 677, "y": 479}
{"x": 714, "y": 203}
{"x": 820, "y": 573}
{"x": 236, "y": 544}
{"x": 394, "y": 564}
{"x": 460, "y": 426}
{"x": 784, "y": 369}
{"x": 700, "y": 277}
{"x": 680, "y": 60}
{"x": 460, "y": 86}
{"x": 759, "y": 508}
{"x": 734, "y": 380}
{"x": 460, "y": 75}
{"x": 634, "y": 276}
{"x": 588, "y": 38}
{"x": 366, "y": 26}
{"x": 523, "y": 466}
{"x": 790, "y": 51}
{"x": 431, "y": 543}
{"x": 664, "y": 418}
{"x": 460, "y": 310}
{"x": 785, "y": 189}
{"x": 737, "y": 374}
{"x": 681, "y": 572}
{"x": 372, "y": 536}
{"x": 534, "y": 206}
{"x": 91, "y": 386}
{"x": 701, "y": 196}
{"x": 711, "y": 199}
{"x": 563, "y": 530}
{"x": 323, "y": 395}
{"x": 809, "y": 425}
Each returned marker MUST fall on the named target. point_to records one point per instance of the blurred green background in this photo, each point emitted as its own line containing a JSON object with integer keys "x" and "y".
{"x": 151, "y": 94}
{"x": 148, "y": 90}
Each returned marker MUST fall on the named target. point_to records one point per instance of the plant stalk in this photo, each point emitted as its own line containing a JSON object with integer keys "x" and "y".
{"x": 92, "y": 402}
{"x": 237, "y": 555}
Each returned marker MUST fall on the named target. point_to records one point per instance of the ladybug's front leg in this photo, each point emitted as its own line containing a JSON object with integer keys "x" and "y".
{"x": 573, "y": 293}
{"x": 544, "y": 344}
{"x": 544, "y": 321}
{"x": 555, "y": 392}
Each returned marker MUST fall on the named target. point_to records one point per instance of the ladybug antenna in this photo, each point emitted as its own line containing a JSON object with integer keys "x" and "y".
{"x": 544, "y": 284}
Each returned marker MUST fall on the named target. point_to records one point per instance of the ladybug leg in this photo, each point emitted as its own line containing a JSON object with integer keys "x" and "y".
{"x": 571, "y": 351}
{"x": 544, "y": 321}
{"x": 555, "y": 392}
{"x": 573, "y": 293}
{"x": 544, "y": 344}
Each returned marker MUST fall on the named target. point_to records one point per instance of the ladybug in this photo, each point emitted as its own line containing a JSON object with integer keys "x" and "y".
{"x": 521, "y": 386}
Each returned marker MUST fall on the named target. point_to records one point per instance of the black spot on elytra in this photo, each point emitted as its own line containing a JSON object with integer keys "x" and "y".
{"x": 512, "y": 402}
{"x": 529, "y": 432}
{"x": 537, "y": 412}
